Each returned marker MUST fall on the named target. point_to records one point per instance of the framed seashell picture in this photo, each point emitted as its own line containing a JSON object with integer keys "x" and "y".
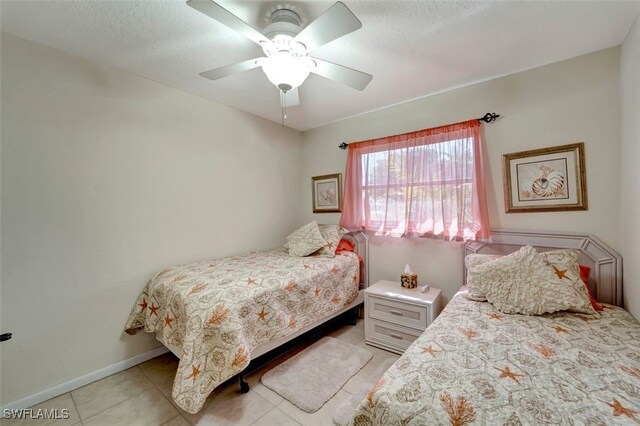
{"x": 547, "y": 179}
{"x": 326, "y": 191}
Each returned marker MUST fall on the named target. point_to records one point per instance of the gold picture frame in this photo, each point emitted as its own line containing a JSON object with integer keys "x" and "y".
{"x": 327, "y": 193}
{"x": 545, "y": 180}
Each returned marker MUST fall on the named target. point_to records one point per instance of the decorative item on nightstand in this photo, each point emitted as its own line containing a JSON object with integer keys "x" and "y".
{"x": 396, "y": 316}
{"x": 408, "y": 279}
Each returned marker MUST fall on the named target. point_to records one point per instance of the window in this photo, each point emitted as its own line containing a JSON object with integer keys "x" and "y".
{"x": 421, "y": 183}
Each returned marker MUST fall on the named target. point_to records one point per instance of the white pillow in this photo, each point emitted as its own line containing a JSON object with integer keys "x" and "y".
{"x": 332, "y": 234}
{"x": 525, "y": 283}
{"x": 475, "y": 259}
{"x": 305, "y": 240}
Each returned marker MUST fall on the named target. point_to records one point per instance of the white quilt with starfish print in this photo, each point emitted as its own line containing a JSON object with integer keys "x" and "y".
{"x": 476, "y": 365}
{"x": 217, "y": 311}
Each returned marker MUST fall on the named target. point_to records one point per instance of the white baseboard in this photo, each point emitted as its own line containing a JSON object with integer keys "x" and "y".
{"x": 76, "y": 383}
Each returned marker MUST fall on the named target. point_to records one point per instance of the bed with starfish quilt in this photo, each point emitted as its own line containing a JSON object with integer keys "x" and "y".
{"x": 218, "y": 311}
{"x": 477, "y": 365}
{"x": 537, "y": 337}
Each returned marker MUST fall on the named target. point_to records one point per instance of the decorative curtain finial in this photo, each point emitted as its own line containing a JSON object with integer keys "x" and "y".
{"x": 489, "y": 117}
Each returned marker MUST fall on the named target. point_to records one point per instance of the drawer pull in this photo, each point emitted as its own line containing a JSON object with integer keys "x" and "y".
{"x": 394, "y": 312}
{"x": 396, "y": 336}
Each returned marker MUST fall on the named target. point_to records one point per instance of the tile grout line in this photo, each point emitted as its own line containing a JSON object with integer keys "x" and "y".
{"x": 173, "y": 418}
{"x": 108, "y": 408}
{"x": 76, "y": 407}
{"x": 275, "y": 407}
{"x": 258, "y": 419}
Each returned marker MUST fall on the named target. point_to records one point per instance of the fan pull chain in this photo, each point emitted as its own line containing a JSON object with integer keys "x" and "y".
{"x": 283, "y": 102}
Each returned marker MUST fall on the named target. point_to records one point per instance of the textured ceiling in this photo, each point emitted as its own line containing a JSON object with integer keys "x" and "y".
{"x": 412, "y": 48}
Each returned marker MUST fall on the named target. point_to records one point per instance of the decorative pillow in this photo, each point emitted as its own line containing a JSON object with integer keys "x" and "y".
{"x": 332, "y": 234}
{"x": 345, "y": 245}
{"x": 566, "y": 262}
{"x": 473, "y": 292}
{"x": 584, "y": 276}
{"x": 305, "y": 240}
{"x": 525, "y": 282}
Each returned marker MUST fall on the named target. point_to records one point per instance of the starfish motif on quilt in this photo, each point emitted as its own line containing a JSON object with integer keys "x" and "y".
{"x": 262, "y": 314}
{"x": 250, "y": 281}
{"x": 168, "y": 320}
{"x": 468, "y": 332}
{"x": 143, "y": 305}
{"x": 620, "y": 410}
{"x": 506, "y": 372}
{"x": 355, "y": 278}
{"x": 495, "y": 316}
{"x": 317, "y": 291}
{"x": 543, "y": 350}
{"x": 154, "y": 309}
{"x": 560, "y": 273}
{"x": 195, "y": 371}
{"x": 429, "y": 350}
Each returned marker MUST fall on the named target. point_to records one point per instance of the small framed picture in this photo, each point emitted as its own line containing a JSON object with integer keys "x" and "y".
{"x": 547, "y": 179}
{"x": 327, "y": 193}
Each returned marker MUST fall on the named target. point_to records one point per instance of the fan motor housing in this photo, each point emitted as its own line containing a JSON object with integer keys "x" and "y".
{"x": 283, "y": 22}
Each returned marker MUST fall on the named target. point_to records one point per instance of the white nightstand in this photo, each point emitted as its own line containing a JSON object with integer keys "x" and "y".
{"x": 395, "y": 316}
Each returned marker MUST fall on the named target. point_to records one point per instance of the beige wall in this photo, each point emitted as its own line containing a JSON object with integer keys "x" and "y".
{"x": 629, "y": 192}
{"x": 106, "y": 179}
{"x": 577, "y": 100}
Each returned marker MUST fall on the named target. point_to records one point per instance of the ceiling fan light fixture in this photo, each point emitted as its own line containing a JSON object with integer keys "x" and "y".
{"x": 285, "y": 71}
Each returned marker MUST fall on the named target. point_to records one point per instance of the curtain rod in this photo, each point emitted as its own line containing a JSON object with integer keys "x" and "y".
{"x": 489, "y": 117}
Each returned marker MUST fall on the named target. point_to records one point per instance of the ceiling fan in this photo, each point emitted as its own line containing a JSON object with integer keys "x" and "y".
{"x": 286, "y": 46}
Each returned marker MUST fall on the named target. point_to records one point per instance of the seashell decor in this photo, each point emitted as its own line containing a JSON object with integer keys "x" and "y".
{"x": 550, "y": 184}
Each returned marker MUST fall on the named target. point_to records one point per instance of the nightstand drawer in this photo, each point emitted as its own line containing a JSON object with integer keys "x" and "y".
{"x": 391, "y": 334}
{"x": 397, "y": 312}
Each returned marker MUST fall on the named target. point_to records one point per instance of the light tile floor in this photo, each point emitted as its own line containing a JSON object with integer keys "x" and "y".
{"x": 141, "y": 396}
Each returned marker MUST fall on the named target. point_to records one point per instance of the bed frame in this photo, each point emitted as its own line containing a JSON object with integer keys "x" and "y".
{"x": 361, "y": 242}
{"x": 605, "y": 280}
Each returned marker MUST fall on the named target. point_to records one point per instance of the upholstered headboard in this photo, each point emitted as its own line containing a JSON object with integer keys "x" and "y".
{"x": 605, "y": 280}
{"x": 361, "y": 242}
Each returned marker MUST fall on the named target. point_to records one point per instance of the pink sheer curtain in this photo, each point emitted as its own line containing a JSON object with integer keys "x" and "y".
{"x": 429, "y": 182}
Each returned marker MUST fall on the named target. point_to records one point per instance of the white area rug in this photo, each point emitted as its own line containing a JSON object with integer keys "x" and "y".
{"x": 312, "y": 377}
{"x": 342, "y": 415}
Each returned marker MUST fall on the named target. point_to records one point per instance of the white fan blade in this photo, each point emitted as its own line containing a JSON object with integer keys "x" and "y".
{"x": 222, "y": 15}
{"x": 231, "y": 69}
{"x": 332, "y": 24}
{"x": 347, "y": 76}
{"x": 292, "y": 98}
